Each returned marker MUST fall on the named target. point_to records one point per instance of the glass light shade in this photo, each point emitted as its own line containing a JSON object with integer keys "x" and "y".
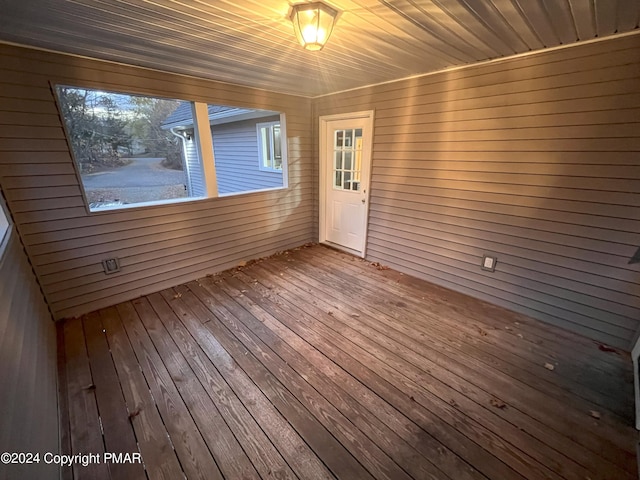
{"x": 313, "y": 24}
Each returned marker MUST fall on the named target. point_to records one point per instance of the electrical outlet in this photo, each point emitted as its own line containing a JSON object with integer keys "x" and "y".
{"x": 111, "y": 265}
{"x": 489, "y": 263}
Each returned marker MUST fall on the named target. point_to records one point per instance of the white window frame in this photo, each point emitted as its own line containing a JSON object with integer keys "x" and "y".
{"x": 204, "y": 140}
{"x": 262, "y": 147}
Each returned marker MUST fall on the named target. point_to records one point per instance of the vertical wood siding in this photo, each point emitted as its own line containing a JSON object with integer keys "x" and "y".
{"x": 535, "y": 160}
{"x": 157, "y": 246}
{"x": 28, "y": 398}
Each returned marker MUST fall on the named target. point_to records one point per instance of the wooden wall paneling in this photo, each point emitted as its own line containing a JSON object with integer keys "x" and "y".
{"x": 43, "y": 191}
{"x": 152, "y": 284}
{"x": 28, "y": 398}
{"x": 532, "y": 159}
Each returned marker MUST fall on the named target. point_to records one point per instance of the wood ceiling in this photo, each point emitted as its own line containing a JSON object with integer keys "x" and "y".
{"x": 252, "y": 43}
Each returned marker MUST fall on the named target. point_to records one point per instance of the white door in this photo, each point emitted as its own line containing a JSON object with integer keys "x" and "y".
{"x": 345, "y": 166}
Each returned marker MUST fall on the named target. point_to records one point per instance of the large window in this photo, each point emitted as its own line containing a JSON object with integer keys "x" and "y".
{"x": 133, "y": 150}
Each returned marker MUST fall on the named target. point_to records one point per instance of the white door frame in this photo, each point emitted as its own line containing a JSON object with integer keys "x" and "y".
{"x": 367, "y": 149}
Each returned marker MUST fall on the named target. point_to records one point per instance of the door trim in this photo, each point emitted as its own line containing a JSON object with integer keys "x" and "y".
{"x": 366, "y": 175}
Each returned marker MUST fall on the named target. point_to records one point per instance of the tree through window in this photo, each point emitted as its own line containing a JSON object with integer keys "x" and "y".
{"x": 123, "y": 154}
{"x": 135, "y": 149}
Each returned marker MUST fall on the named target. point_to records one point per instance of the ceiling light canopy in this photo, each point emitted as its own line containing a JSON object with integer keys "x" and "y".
{"x": 313, "y": 23}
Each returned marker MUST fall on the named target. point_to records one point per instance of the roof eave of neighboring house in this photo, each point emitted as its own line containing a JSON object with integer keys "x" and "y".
{"x": 228, "y": 116}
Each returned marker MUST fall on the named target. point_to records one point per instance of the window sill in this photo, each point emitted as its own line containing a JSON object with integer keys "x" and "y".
{"x": 155, "y": 203}
{"x": 159, "y": 203}
{"x": 261, "y": 190}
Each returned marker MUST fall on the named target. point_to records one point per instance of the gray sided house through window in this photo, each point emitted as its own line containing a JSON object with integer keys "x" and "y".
{"x": 5, "y": 225}
{"x": 134, "y": 150}
{"x": 237, "y": 149}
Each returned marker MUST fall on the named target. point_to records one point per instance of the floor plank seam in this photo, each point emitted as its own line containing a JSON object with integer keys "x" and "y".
{"x": 312, "y": 363}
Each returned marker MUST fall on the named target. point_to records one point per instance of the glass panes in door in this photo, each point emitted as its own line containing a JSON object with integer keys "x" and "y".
{"x": 347, "y": 154}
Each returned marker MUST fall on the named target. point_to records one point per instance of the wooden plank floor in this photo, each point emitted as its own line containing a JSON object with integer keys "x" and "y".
{"x": 314, "y": 364}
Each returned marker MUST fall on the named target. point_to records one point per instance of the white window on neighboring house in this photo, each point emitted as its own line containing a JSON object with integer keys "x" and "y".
{"x": 269, "y": 146}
